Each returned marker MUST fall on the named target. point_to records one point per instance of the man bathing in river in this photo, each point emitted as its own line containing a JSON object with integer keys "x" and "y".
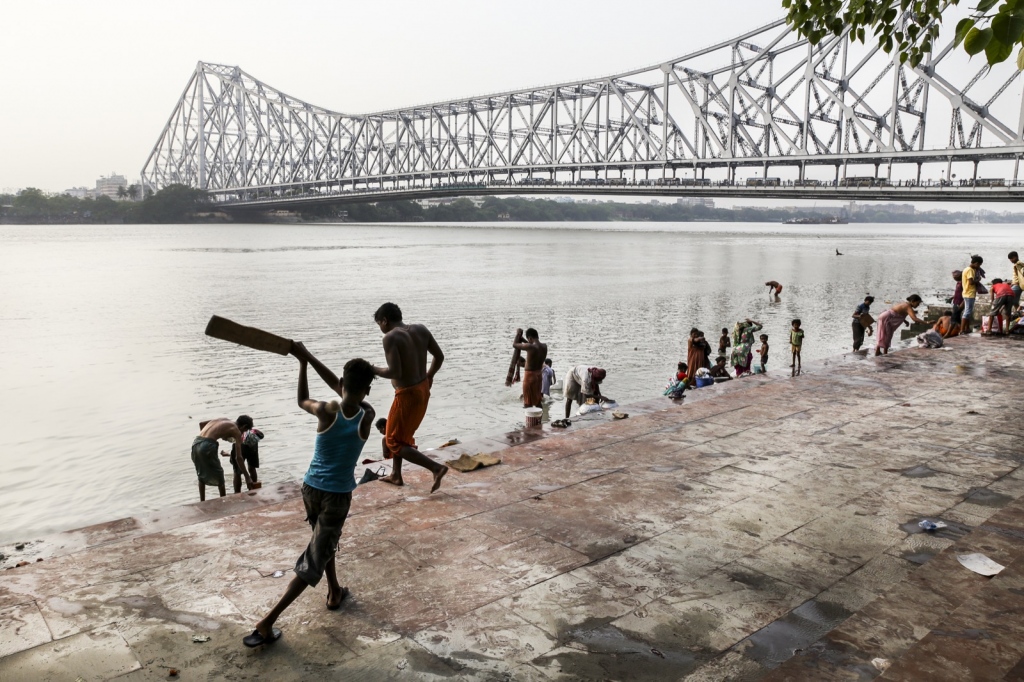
{"x": 774, "y": 288}
{"x": 405, "y": 349}
{"x": 204, "y": 454}
{"x": 581, "y": 383}
{"x": 342, "y": 430}
{"x": 536, "y": 354}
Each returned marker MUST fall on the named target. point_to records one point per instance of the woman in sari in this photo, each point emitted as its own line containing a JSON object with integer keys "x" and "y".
{"x": 742, "y": 341}
{"x": 889, "y": 321}
{"x": 696, "y": 355}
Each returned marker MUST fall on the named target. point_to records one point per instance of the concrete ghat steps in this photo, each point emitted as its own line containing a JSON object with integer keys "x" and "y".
{"x": 942, "y": 622}
{"x": 707, "y": 542}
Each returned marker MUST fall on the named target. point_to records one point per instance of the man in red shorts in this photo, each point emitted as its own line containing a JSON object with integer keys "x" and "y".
{"x": 405, "y": 350}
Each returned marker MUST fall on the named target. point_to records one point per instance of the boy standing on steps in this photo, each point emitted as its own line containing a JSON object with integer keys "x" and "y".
{"x": 342, "y": 430}
{"x": 796, "y": 341}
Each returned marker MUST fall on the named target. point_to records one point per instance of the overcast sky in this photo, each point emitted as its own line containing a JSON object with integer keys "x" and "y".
{"x": 88, "y": 86}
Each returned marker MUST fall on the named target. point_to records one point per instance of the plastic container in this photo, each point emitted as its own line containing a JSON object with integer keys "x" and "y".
{"x": 533, "y": 415}
{"x": 704, "y": 381}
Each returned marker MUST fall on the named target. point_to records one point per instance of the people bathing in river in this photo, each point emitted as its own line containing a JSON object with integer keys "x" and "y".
{"x": 251, "y": 438}
{"x": 681, "y": 371}
{"x": 536, "y": 354}
{"x": 742, "y": 342}
{"x": 342, "y": 430}
{"x": 719, "y": 372}
{"x": 406, "y": 347}
{"x": 763, "y": 353}
{"x": 941, "y": 330}
{"x": 723, "y": 342}
{"x": 796, "y": 342}
{"x": 862, "y": 315}
{"x": 774, "y": 288}
{"x": 697, "y": 350}
{"x": 890, "y": 321}
{"x": 581, "y": 383}
{"x": 204, "y": 454}
{"x": 547, "y": 378}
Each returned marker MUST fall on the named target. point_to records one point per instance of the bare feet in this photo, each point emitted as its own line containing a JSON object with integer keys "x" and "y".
{"x": 393, "y": 479}
{"x": 438, "y": 475}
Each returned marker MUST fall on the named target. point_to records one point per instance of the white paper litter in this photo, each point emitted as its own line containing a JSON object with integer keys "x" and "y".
{"x": 979, "y": 563}
{"x": 881, "y": 663}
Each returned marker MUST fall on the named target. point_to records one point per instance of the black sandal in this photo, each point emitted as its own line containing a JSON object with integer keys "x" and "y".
{"x": 256, "y": 639}
{"x": 344, "y": 593}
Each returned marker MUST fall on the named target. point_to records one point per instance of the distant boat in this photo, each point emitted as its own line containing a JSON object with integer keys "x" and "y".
{"x": 832, "y": 220}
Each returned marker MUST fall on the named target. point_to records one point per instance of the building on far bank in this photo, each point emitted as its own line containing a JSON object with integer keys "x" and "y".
{"x": 706, "y": 202}
{"x": 853, "y": 208}
{"x": 79, "y": 192}
{"x": 108, "y": 186}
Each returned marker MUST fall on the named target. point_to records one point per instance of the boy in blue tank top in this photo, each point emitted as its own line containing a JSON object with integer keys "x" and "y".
{"x": 342, "y": 430}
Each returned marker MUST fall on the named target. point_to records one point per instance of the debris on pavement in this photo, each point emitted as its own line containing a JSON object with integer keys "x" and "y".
{"x": 980, "y": 564}
{"x": 470, "y": 462}
{"x": 932, "y": 525}
{"x": 200, "y": 639}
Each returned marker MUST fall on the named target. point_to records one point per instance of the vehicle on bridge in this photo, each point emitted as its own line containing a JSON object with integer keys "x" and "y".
{"x": 865, "y": 181}
{"x": 764, "y": 182}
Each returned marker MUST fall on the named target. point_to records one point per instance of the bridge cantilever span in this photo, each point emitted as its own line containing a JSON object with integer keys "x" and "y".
{"x": 762, "y": 114}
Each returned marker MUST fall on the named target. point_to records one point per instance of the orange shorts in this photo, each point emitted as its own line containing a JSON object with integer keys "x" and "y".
{"x": 406, "y": 415}
{"x": 531, "y": 388}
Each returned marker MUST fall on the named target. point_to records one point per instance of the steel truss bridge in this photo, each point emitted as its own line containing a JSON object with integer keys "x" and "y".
{"x": 764, "y": 114}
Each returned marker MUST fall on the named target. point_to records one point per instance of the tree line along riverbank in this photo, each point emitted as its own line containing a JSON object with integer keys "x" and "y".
{"x": 182, "y": 204}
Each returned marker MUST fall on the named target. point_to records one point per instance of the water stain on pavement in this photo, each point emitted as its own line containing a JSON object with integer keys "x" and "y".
{"x": 776, "y": 642}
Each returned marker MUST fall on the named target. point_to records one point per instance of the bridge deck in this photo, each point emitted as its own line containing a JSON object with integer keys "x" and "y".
{"x": 712, "y": 539}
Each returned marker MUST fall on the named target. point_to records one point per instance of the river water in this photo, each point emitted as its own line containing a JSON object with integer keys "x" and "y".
{"x": 106, "y": 371}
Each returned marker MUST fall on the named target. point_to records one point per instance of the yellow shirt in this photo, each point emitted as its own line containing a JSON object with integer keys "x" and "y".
{"x": 970, "y": 289}
{"x": 1018, "y": 274}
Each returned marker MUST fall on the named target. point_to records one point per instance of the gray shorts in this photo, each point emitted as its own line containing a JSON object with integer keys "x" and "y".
{"x": 326, "y": 513}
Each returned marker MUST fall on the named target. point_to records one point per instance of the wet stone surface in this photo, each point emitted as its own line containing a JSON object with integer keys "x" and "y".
{"x": 764, "y": 529}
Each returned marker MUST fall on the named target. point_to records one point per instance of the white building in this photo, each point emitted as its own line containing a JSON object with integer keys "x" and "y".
{"x": 79, "y": 192}
{"x": 108, "y": 186}
{"x": 706, "y": 202}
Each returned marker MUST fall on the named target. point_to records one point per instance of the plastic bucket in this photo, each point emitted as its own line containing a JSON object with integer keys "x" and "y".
{"x": 704, "y": 381}
{"x": 533, "y": 415}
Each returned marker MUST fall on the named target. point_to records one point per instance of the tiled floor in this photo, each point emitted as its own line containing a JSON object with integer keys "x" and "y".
{"x": 765, "y": 529}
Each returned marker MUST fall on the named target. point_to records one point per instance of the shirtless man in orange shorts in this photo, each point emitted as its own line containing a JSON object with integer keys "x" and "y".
{"x": 536, "y": 353}
{"x": 405, "y": 349}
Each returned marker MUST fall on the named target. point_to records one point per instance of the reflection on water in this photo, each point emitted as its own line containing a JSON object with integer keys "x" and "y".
{"x": 107, "y": 372}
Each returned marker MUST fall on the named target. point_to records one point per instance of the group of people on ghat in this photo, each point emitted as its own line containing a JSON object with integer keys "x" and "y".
{"x": 343, "y": 427}
{"x": 698, "y": 370}
{"x": 344, "y": 421}
{"x": 1004, "y": 311}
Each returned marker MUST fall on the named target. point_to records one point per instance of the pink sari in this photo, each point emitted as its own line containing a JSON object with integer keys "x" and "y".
{"x": 886, "y": 325}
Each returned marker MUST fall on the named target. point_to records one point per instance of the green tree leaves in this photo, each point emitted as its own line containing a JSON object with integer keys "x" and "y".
{"x": 910, "y": 27}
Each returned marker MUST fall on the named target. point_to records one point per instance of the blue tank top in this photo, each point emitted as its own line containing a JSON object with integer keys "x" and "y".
{"x": 335, "y": 455}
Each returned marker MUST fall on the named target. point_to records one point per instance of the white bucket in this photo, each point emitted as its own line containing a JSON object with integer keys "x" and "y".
{"x": 533, "y": 415}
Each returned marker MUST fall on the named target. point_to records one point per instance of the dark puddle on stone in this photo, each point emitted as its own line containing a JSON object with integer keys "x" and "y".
{"x": 777, "y": 642}
{"x": 920, "y": 557}
{"x": 988, "y": 498}
{"x": 920, "y": 471}
{"x": 593, "y": 651}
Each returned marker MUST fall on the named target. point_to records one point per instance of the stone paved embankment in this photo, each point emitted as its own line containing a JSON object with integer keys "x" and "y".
{"x": 767, "y": 529}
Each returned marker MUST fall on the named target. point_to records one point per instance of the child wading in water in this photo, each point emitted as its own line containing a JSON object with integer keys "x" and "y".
{"x": 342, "y": 430}
{"x": 796, "y": 340}
{"x": 763, "y": 352}
{"x": 724, "y": 341}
